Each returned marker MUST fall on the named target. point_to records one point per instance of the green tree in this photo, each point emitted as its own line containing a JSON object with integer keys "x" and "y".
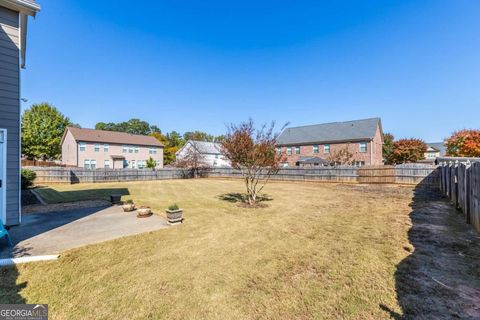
{"x": 133, "y": 126}
{"x": 42, "y": 130}
{"x": 175, "y": 139}
{"x": 387, "y": 148}
{"x": 151, "y": 163}
{"x": 198, "y": 136}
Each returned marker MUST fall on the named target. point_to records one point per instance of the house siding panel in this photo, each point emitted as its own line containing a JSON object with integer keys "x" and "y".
{"x": 10, "y": 107}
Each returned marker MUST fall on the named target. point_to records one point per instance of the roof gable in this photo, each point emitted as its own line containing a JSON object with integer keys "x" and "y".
{"x": 356, "y": 130}
{"x": 103, "y": 136}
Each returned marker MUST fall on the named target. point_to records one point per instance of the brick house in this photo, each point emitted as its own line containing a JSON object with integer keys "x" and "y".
{"x": 89, "y": 148}
{"x": 313, "y": 144}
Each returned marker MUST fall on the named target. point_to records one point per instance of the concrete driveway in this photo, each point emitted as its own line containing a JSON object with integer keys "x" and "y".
{"x": 53, "y": 232}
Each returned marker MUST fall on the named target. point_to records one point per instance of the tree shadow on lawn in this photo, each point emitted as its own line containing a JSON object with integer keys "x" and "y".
{"x": 242, "y": 200}
{"x": 54, "y": 196}
{"x": 441, "y": 278}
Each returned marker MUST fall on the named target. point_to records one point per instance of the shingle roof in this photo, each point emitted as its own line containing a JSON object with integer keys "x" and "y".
{"x": 206, "y": 147}
{"x": 92, "y": 135}
{"x": 330, "y": 132}
{"x": 440, "y": 146}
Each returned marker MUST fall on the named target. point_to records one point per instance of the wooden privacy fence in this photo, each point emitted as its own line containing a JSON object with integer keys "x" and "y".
{"x": 403, "y": 174}
{"x": 460, "y": 182}
{"x": 38, "y": 163}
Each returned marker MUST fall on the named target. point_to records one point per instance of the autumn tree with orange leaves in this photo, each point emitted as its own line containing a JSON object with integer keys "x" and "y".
{"x": 406, "y": 151}
{"x": 464, "y": 143}
{"x": 252, "y": 152}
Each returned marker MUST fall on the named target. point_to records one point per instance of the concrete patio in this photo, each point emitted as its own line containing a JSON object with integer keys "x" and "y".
{"x": 53, "y": 232}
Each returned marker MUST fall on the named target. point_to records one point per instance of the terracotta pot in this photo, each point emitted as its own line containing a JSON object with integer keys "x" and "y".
{"x": 144, "y": 212}
{"x": 174, "y": 216}
{"x": 128, "y": 207}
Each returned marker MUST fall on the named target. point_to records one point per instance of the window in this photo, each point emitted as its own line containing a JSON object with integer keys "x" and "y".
{"x": 315, "y": 149}
{"x": 106, "y": 164}
{"x": 125, "y": 149}
{"x": 83, "y": 146}
{"x": 362, "y": 147}
{"x": 289, "y": 150}
{"x": 158, "y": 163}
{"x": 106, "y": 147}
{"x": 136, "y": 149}
{"x": 90, "y": 164}
{"x": 130, "y": 149}
{"x": 326, "y": 148}
{"x": 152, "y": 150}
{"x": 134, "y": 165}
{"x": 97, "y": 147}
{"x": 297, "y": 150}
{"x": 142, "y": 164}
{"x": 216, "y": 156}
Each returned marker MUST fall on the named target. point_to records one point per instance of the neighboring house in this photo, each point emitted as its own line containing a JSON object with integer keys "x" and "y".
{"x": 13, "y": 39}
{"x": 92, "y": 149}
{"x": 210, "y": 152}
{"x": 363, "y": 138}
{"x": 435, "y": 150}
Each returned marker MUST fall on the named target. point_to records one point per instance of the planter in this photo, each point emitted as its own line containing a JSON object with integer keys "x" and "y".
{"x": 128, "y": 207}
{"x": 174, "y": 216}
{"x": 115, "y": 198}
{"x": 144, "y": 212}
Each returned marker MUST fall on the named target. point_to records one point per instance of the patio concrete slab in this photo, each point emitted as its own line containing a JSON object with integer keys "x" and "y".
{"x": 53, "y": 232}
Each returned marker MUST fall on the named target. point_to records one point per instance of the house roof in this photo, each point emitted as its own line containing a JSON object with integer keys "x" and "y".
{"x": 103, "y": 136}
{"x": 206, "y": 147}
{"x": 355, "y": 130}
{"x": 438, "y": 146}
{"x": 203, "y": 147}
{"x": 29, "y": 7}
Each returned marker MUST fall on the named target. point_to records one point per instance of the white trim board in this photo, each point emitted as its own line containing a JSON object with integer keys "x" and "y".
{"x": 4, "y": 176}
{"x": 14, "y": 261}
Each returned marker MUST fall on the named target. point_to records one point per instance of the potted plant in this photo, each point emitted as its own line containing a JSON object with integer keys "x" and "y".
{"x": 128, "y": 206}
{"x": 174, "y": 214}
{"x": 144, "y": 212}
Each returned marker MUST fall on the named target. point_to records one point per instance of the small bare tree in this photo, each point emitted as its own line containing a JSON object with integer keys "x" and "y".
{"x": 341, "y": 157}
{"x": 252, "y": 152}
{"x": 193, "y": 161}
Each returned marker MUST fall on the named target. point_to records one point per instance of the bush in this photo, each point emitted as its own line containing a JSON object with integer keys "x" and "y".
{"x": 27, "y": 178}
{"x": 173, "y": 207}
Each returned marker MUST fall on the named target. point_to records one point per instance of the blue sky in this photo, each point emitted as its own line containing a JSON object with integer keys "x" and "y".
{"x": 197, "y": 65}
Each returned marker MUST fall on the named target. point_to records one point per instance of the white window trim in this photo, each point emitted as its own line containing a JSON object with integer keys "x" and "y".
{"x": 4, "y": 182}
{"x": 325, "y": 148}
{"x": 80, "y": 144}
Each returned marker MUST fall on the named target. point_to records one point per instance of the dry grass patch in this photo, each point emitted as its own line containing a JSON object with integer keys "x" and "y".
{"x": 317, "y": 251}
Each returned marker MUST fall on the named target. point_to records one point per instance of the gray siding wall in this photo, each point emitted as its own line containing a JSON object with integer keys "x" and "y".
{"x": 10, "y": 106}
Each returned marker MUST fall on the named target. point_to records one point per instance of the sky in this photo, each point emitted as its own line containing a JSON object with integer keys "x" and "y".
{"x": 199, "y": 65}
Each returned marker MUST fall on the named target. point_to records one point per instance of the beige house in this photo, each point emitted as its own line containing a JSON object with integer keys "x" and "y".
{"x": 92, "y": 149}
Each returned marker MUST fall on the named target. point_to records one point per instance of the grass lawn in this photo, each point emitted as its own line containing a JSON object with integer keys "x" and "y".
{"x": 317, "y": 251}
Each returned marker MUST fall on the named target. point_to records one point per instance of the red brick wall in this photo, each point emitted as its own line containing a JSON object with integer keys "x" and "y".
{"x": 373, "y": 156}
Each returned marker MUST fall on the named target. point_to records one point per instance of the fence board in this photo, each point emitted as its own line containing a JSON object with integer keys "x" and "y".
{"x": 460, "y": 182}
{"x": 411, "y": 174}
